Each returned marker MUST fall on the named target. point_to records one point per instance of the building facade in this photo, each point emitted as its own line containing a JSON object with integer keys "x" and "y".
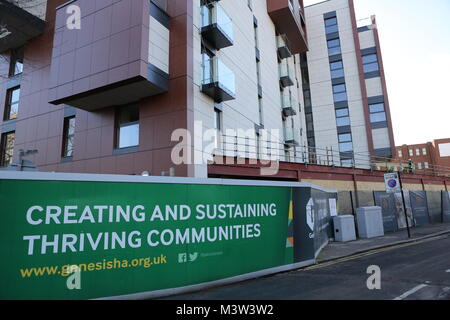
{"x": 126, "y": 87}
{"x": 348, "y": 109}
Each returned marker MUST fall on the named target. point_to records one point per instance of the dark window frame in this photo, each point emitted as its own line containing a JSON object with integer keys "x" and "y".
{"x": 67, "y": 135}
{"x": 9, "y": 103}
{"x": 15, "y": 60}
{"x": 4, "y": 148}
{"x": 118, "y": 126}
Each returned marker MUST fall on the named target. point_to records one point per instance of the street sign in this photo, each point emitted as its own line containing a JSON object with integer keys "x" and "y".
{"x": 392, "y": 183}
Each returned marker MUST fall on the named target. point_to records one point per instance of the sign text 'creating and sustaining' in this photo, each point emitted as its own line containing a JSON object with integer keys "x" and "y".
{"x": 44, "y": 244}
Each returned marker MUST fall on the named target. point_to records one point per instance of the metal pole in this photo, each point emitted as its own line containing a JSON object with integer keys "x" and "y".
{"x": 404, "y": 205}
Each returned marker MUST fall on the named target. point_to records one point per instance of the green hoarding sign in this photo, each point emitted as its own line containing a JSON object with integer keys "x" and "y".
{"x": 128, "y": 238}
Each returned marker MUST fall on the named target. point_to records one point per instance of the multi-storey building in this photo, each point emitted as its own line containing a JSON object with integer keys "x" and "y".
{"x": 101, "y": 86}
{"x": 347, "y": 107}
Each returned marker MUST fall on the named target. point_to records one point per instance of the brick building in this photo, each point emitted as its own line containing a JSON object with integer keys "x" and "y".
{"x": 431, "y": 156}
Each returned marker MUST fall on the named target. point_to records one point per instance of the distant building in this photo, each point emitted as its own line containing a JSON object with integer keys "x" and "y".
{"x": 434, "y": 156}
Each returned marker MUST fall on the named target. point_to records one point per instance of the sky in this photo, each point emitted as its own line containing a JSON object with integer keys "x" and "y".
{"x": 415, "y": 44}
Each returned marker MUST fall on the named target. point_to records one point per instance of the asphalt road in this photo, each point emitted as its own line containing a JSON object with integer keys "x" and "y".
{"x": 413, "y": 272}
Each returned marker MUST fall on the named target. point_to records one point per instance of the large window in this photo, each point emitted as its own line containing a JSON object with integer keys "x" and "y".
{"x": 16, "y": 63}
{"x": 342, "y": 117}
{"x": 68, "y": 137}
{"x": 337, "y": 69}
{"x": 334, "y": 47}
{"x": 12, "y": 103}
{"x": 127, "y": 127}
{"x": 377, "y": 113}
{"x": 331, "y": 25}
{"x": 7, "y": 148}
{"x": 339, "y": 93}
{"x": 370, "y": 63}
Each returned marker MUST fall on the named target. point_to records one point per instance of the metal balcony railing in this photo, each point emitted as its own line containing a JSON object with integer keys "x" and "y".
{"x": 251, "y": 147}
{"x": 217, "y": 26}
{"x": 218, "y": 80}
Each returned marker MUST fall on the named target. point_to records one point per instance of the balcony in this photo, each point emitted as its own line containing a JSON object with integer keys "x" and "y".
{"x": 287, "y": 15}
{"x": 283, "y": 47}
{"x": 287, "y": 75}
{"x": 218, "y": 80}
{"x": 290, "y": 138}
{"x": 217, "y": 27}
{"x": 18, "y": 24}
{"x": 288, "y": 105}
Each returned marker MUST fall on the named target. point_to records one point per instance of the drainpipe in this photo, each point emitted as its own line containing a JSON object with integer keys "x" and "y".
{"x": 355, "y": 186}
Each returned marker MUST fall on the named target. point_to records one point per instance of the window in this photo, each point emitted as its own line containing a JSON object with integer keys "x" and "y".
{"x": 127, "y": 127}
{"x": 345, "y": 142}
{"x": 342, "y": 117}
{"x": 217, "y": 120}
{"x": 331, "y": 25}
{"x": 16, "y": 63}
{"x": 346, "y": 149}
{"x": 417, "y": 152}
{"x": 424, "y": 151}
{"x": 337, "y": 69}
{"x": 339, "y": 93}
{"x": 309, "y": 122}
{"x": 12, "y": 103}
{"x": 377, "y": 113}
{"x": 411, "y": 152}
{"x": 400, "y": 154}
{"x": 370, "y": 63}
{"x": 334, "y": 47}
{"x": 419, "y": 166}
{"x": 307, "y": 98}
{"x": 68, "y": 137}
{"x": 426, "y": 165}
{"x": 7, "y": 148}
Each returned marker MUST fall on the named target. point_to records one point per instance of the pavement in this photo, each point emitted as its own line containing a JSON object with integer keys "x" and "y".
{"x": 336, "y": 250}
{"x": 411, "y": 269}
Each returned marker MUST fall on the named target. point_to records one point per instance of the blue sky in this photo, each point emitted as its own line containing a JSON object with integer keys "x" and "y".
{"x": 415, "y": 43}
